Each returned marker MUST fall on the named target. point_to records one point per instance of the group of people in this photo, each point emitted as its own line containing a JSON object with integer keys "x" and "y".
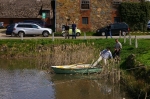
{"x": 73, "y": 31}
{"x": 106, "y": 53}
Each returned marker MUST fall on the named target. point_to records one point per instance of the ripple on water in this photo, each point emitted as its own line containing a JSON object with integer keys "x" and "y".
{"x": 25, "y": 84}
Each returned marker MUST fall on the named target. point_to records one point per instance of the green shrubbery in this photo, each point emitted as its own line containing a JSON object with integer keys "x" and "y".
{"x": 136, "y": 78}
{"x": 136, "y": 15}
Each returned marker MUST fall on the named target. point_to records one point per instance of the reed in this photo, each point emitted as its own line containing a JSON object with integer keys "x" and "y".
{"x": 69, "y": 54}
{"x": 57, "y": 53}
{"x": 70, "y": 51}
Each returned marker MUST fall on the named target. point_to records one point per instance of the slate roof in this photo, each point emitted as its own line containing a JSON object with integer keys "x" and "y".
{"x": 23, "y": 8}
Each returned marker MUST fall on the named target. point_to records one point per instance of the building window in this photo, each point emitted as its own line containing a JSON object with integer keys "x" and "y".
{"x": 85, "y": 4}
{"x": 116, "y": 19}
{"x": 84, "y": 20}
{"x": 116, "y": 2}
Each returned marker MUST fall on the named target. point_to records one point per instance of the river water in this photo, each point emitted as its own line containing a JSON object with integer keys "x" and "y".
{"x": 26, "y": 79}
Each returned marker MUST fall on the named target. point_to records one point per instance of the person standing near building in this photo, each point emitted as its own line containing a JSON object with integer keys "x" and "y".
{"x": 74, "y": 30}
{"x": 108, "y": 31}
{"x": 66, "y": 31}
{"x": 118, "y": 47}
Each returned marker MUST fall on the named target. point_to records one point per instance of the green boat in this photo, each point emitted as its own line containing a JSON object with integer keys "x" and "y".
{"x": 76, "y": 69}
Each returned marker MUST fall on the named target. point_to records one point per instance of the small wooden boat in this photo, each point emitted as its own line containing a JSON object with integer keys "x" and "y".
{"x": 75, "y": 68}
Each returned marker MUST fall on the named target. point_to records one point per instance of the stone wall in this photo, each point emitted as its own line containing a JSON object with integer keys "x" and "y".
{"x": 101, "y": 13}
{"x": 67, "y": 9}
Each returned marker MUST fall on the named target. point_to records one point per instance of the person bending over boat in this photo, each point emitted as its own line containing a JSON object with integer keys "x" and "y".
{"x": 104, "y": 55}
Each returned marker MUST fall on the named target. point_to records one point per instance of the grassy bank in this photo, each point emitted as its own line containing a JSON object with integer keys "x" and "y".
{"x": 55, "y": 53}
{"x": 36, "y": 47}
{"x": 136, "y": 78}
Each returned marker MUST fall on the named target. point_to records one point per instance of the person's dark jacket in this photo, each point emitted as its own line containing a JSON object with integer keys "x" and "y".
{"x": 73, "y": 27}
{"x": 108, "y": 28}
{"x": 66, "y": 27}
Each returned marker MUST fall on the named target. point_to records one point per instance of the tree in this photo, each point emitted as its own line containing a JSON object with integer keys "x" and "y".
{"x": 135, "y": 14}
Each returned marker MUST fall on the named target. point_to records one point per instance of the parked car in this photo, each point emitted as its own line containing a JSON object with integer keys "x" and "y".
{"x": 9, "y": 30}
{"x": 30, "y": 29}
{"x": 1, "y": 25}
{"x": 115, "y": 29}
{"x": 148, "y": 26}
{"x": 78, "y": 31}
{"x": 39, "y": 22}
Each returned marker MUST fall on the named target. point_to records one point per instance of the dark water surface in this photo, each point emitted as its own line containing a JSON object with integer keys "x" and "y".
{"x": 26, "y": 79}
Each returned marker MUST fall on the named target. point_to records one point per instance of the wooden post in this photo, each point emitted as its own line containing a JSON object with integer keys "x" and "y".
{"x": 124, "y": 38}
{"x": 84, "y": 35}
{"x": 130, "y": 39}
{"x": 119, "y": 34}
{"x": 136, "y": 43}
{"x": 53, "y": 36}
{"x": 21, "y": 36}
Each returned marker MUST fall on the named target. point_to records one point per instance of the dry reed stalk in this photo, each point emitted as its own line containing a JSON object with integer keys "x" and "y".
{"x": 69, "y": 54}
{"x": 55, "y": 54}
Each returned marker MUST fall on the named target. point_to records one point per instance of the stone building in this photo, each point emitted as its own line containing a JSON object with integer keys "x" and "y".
{"x": 12, "y": 11}
{"x": 88, "y": 14}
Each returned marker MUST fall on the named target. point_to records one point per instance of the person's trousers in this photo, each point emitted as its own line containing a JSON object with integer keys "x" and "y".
{"x": 110, "y": 34}
{"x": 105, "y": 61}
{"x": 66, "y": 34}
{"x": 116, "y": 53}
{"x": 73, "y": 34}
{"x": 99, "y": 59}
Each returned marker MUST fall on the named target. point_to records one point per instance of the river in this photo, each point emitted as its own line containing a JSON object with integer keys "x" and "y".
{"x": 26, "y": 79}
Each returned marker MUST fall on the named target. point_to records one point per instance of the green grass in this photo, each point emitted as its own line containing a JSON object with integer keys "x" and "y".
{"x": 142, "y": 52}
{"x": 145, "y": 59}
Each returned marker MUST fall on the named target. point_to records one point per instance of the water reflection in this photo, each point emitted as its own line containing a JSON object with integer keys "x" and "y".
{"x": 85, "y": 87}
{"x": 25, "y": 84}
{"x": 24, "y": 79}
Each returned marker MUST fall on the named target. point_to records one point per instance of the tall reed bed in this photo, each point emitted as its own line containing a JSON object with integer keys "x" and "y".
{"x": 70, "y": 50}
{"x": 61, "y": 54}
{"x": 55, "y": 53}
